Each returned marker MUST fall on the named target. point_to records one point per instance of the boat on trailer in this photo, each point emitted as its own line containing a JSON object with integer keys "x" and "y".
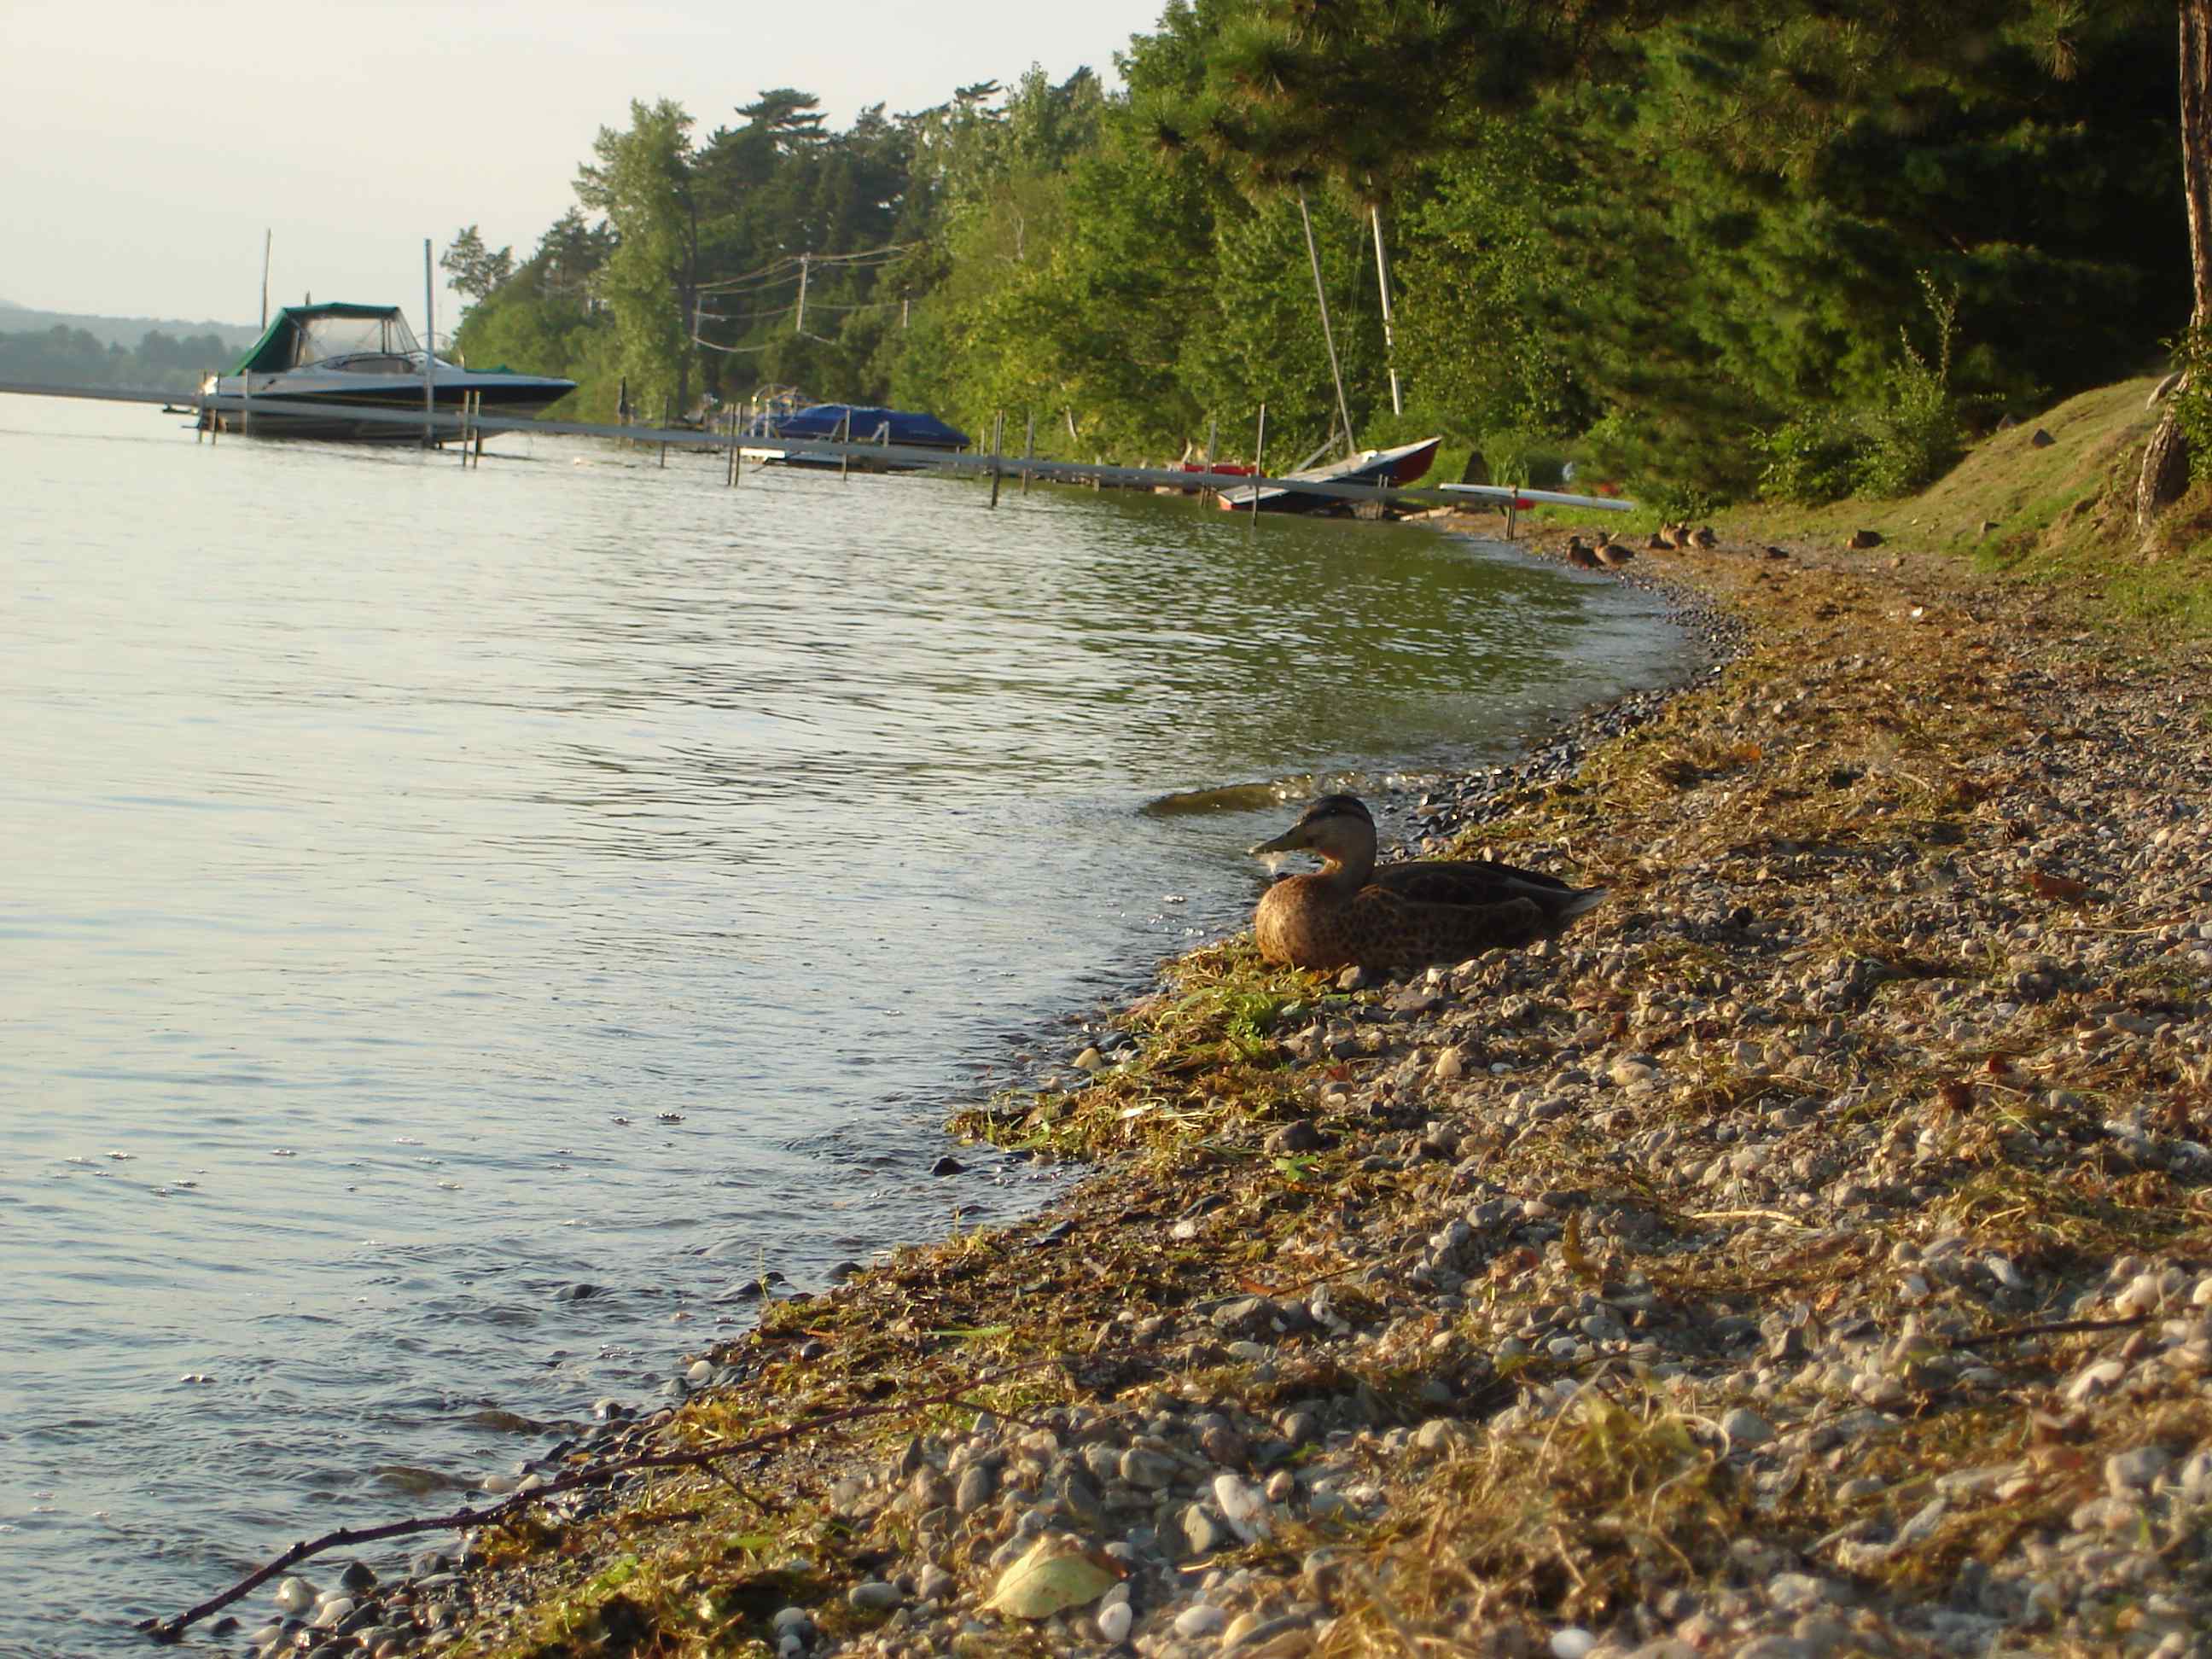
{"x": 1394, "y": 467}
{"x": 314, "y": 365}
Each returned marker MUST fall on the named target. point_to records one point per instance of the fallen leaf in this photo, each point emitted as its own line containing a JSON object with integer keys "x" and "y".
{"x": 1053, "y": 1576}
{"x": 2043, "y": 884}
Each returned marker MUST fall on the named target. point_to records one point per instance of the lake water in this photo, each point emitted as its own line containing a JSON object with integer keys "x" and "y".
{"x": 430, "y": 890}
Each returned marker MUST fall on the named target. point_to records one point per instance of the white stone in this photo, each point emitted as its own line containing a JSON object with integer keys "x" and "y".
{"x": 295, "y": 1596}
{"x": 1199, "y": 1620}
{"x": 2130, "y": 1472}
{"x": 1244, "y": 1507}
{"x": 1572, "y": 1643}
{"x": 2143, "y": 1293}
{"x": 2095, "y": 1380}
{"x": 1746, "y": 1428}
{"x": 1114, "y": 1620}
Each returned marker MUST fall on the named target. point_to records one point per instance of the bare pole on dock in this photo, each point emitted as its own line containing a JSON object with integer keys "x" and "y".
{"x": 1383, "y": 281}
{"x": 1328, "y": 334}
{"x": 1029, "y": 452}
{"x": 268, "y": 242}
{"x": 429, "y": 346}
{"x": 1259, "y": 467}
{"x": 998, "y": 432}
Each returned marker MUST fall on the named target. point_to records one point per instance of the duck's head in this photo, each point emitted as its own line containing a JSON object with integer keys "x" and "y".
{"x": 1338, "y": 827}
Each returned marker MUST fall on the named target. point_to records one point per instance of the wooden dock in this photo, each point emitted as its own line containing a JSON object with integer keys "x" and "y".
{"x": 453, "y": 425}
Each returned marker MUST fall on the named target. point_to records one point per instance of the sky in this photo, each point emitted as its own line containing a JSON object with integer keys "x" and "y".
{"x": 146, "y": 144}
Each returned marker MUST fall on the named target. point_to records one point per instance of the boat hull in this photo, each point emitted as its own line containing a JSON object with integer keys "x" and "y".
{"x": 1397, "y": 467}
{"x": 317, "y": 406}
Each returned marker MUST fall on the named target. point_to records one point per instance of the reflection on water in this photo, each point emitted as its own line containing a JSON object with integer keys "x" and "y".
{"x": 437, "y": 890}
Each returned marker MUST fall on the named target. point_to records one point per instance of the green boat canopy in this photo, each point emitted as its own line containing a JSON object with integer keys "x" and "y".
{"x": 299, "y": 335}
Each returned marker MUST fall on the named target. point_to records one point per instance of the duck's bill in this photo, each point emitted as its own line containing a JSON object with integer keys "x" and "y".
{"x": 1288, "y": 841}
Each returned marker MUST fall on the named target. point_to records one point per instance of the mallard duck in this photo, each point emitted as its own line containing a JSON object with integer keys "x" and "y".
{"x": 1703, "y": 538}
{"x": 1357, "y": 913}
{"x": 1581, "y": 553}
{"x": 1611, "y": 552}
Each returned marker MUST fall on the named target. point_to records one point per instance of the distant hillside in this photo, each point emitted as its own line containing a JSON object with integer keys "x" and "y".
{"x": 125, "y": 331}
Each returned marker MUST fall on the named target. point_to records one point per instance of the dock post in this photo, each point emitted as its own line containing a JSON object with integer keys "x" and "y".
{"x": 479, "y": 459}
{"x": 998, "y": 432}
{"x": 429, "y": 350}
{"x": 844, "y": 455}
{"x": 1029, "y": 452}
{"x": 246, "y": 416}
{"x": 667, "y": 414}
{"x": 1211, "y": 493}
{"x": 1259, "y": 467}
{"x": 1508, "y": 519}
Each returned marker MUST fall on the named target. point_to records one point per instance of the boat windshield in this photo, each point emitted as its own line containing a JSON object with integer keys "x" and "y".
{"x": 324, "y": 338}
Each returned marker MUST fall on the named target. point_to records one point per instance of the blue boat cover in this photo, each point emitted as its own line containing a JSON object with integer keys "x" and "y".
{"x": 824, "y": 420}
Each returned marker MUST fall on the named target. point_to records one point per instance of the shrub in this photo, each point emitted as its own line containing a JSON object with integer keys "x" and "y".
{"x": 1904, "y": 440}
{"x": 1812, "y": 460}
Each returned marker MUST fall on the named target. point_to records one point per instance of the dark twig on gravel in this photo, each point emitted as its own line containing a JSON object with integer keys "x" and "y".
{"x": 173, "y": 1629}
{"x": 2063, "y": 1328}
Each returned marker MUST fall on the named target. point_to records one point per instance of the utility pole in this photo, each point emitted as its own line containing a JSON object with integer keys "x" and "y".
{"x": 799, "y": 324}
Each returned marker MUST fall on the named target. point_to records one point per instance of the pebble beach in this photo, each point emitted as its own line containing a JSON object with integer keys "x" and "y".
{"x": 1806, "y": 1252}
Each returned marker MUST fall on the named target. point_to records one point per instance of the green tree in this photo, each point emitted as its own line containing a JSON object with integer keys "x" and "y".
{"x": 472, "y": 267}
{"x": 641, "y": 181}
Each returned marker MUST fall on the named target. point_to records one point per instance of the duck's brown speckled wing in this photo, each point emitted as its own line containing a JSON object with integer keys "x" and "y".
{"x": 1466, "y": 881}
{"x": 1297, "y": 924}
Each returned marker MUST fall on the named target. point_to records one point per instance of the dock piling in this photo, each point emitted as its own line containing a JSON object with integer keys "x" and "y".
{"x": 1259, "y": 466}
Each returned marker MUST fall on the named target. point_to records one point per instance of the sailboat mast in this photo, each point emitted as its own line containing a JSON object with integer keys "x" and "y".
{"x": 1382, "y": 280}
{"x": 1328, "y": 334}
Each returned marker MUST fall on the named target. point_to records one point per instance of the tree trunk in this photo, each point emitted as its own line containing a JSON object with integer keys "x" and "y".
{"x": 2166, "y": 462}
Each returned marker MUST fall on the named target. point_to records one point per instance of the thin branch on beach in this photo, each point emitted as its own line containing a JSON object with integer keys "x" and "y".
{"x": 173, "y": 1629}
{"x": 2063, "y": 1328}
